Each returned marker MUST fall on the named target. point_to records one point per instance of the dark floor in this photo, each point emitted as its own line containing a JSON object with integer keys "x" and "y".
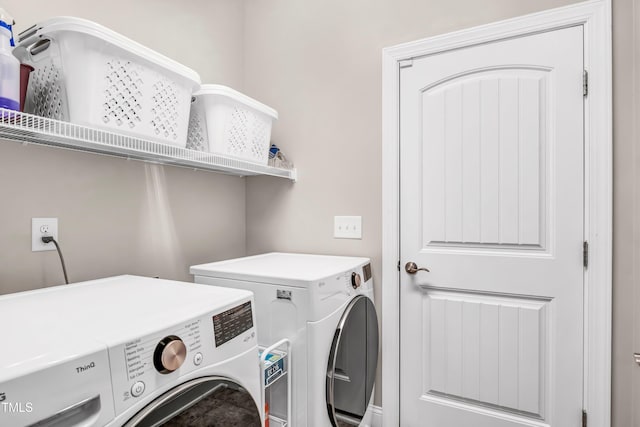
{"x": 224, "y": 408}
{"x": 227, "y": 407}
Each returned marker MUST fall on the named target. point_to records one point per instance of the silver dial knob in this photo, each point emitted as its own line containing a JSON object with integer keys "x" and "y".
{"x": 356, "y": 280}
{"x": 170, "y": 354}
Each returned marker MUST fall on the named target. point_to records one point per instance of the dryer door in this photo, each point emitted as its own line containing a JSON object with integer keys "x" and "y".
{"x": 352, "y": 363}
{"x": 207, "y": 401}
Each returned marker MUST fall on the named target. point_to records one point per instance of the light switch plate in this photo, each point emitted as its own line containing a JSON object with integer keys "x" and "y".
{"x": 43, "y": 227}
{"x": 347, "y": 227}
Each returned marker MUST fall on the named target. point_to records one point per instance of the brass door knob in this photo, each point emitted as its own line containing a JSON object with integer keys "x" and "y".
{"x": 412, "y": 268}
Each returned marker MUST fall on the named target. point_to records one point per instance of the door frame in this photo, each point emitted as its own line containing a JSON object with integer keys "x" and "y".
{"x": 595, "y": 17}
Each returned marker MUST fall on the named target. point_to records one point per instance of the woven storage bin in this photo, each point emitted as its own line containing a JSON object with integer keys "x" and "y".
{"x": 89, "y": 75}
{"x": 227, "y": 122}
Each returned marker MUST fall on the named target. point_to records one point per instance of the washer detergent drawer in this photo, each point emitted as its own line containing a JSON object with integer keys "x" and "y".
{"x": 73, "y": 393}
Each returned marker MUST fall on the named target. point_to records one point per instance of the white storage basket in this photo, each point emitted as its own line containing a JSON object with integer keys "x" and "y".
{"x": 89, "y": 75}
{"x": 227, "y": 122}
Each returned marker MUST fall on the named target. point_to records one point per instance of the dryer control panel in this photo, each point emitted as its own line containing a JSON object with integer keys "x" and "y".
{"x": 332, "y": 291}
{"x": 155, "y": 362}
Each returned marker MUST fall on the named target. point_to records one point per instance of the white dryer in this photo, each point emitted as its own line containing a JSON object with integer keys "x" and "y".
{"x": 129, "y": 351}
{"x": 324, "y": 305}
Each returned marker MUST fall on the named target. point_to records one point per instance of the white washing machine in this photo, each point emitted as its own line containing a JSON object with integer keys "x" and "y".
{"x": 324, "y": 305}
{"x": 129, "y": 351}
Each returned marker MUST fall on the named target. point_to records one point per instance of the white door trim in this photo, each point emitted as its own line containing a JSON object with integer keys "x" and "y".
{"x": 595, "y": 16}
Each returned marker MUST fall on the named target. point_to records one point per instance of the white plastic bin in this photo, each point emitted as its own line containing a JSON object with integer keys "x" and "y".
{"x": 89, "y": 75}
{"x": 228, "y": 122}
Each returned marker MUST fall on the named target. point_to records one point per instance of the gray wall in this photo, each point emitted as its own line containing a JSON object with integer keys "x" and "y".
{"x": 626, "y": 299}
{"x": 318, "y": 63}
{"x": 118, "y": 216}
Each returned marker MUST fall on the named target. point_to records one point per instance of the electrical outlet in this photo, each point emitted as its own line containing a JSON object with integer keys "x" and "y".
{"x": 347, "y": 227}
{"x": 41, "y": 227}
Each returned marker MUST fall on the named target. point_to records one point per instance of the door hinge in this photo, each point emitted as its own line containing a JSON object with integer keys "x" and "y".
{"x": 584, "y": 418}
{"x": 405, "y": 63}
{"x": 585, "y": 254}
{"x": 585, "y": 83}
{"x": 398, "y": 265}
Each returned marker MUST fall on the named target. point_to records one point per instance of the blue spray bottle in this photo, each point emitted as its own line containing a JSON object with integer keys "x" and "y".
{"x": 9, "y": 66}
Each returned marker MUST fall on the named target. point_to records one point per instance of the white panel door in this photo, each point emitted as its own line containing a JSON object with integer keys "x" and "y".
{"x": 491, "y": 143}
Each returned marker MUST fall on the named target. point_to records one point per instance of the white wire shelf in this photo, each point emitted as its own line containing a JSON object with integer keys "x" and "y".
{"x": 24, "y": 128}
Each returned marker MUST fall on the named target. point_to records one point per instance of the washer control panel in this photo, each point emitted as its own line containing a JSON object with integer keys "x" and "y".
{"x": 169, "y": 354}
{"x": 233, "y": 322}
{"x": 140, "y": 367}
{"x": 140, "y": 355}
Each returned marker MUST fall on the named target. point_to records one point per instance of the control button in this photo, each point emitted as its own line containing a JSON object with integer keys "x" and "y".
{"x": 137, "y": 389}
{"x": 197, "y": 359}
{"x": 356, "y": 281}
{"x": 169, "y": 354}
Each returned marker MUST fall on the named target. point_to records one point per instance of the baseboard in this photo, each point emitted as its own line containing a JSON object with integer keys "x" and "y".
{"x": 376, "y": 419}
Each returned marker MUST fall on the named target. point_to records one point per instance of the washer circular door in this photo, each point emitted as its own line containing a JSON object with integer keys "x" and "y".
{"x": 352, "y": 364}
{"x": 206, "y": 401}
